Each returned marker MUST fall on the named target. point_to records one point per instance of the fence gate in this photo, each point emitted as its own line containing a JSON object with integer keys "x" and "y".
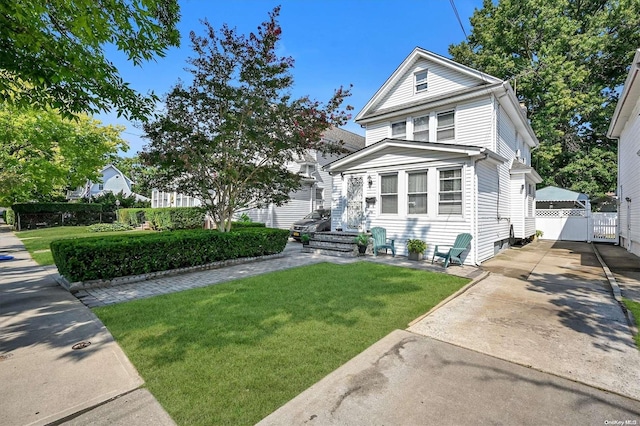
{"x": 604, "y": 227}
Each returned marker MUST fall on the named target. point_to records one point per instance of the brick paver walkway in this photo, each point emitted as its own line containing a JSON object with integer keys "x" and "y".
{"x": 292, "y": 257}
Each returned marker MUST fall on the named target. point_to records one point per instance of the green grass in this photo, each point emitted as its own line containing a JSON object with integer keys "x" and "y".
{"x": 634, "y": 307}
{"x": 38, "y": 240}
{"x": 233, "y": 353}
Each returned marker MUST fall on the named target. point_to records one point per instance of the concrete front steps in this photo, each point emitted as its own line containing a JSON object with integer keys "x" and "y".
{"x": 339, "y": 244}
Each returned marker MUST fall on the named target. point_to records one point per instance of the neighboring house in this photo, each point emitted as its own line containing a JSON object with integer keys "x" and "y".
{"x": 172, "y": 199}
{"x": 448, "y": 150}
{"x": 625, "y": 127}
{"x": 316, "y": 184}
{"x": 111, "y": 180}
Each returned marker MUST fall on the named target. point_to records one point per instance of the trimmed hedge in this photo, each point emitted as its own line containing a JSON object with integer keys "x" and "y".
{"x": 164, "y": 219}
{"x": 38, "y": 215}
{"x": 23, "y": 208}
{"x": 109, "y": 227}
{"x": 114, "y": 256}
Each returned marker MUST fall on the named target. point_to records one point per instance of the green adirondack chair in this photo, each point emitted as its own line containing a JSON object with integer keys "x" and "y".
{"x": 380, "y": 241}
{"x": 454, "y": 252}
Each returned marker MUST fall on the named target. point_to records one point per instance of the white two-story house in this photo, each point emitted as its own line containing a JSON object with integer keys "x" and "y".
{"x": 625, "y": 127}
{"x": 448, "y": 150}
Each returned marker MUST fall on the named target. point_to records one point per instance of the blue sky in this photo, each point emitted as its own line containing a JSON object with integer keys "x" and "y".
{"x": 333, "y": 43}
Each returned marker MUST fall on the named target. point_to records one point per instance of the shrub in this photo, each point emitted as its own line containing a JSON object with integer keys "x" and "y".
{"x": 416, "y": 246}
{"x": 164, "y": 219}
{"x": 113, "y": 256}
{"x": 109, "y": 227}
{"x": 33, "y": 215}
{"x": 9, "y": 217}
{"x": 244, "y": 218}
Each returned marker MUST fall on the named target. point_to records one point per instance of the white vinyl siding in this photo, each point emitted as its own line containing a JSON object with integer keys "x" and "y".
{"x": 442, "y": 80}
{"x": 417, "y": 192}
{"x": 629, "y": 176}
{"x": 474, "y": 123}
{"x": 450, "y": 192}
{"x": 389, "y": 194}
{"x": 376, "y": 132}
{"x": 490, "y": 226}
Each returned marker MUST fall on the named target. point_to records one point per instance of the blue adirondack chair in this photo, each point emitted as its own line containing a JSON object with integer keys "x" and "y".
{"x": 380, "y": 241}
{"x": 454, "y": 252}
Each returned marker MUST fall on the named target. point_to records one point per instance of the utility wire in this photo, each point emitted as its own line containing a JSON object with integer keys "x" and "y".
{"x": 455, "y": 10}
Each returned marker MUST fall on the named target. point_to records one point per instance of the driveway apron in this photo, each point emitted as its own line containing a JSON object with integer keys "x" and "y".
{"x": 552, "y": 310}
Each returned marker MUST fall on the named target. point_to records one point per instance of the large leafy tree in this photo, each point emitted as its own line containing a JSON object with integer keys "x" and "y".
{"x": 52, "y": 53}
{"x": 226, "y": 138}
{"x": 566, "y": 58}
{"x": 42, "y": 153}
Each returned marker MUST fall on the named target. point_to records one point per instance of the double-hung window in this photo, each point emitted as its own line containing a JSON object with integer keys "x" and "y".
{"x": 399, "y": 130}
{"x": 450, "y": 196}
{"x": 417, "y": 193}
{"x": 421, "y": 129}
{"x": 421, "y": 80}
{"x": 389, "y": 194}
{"x": 446, "y": 126}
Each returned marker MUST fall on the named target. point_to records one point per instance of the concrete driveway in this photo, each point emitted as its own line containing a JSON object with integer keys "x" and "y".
{"x": 540, "y": 341}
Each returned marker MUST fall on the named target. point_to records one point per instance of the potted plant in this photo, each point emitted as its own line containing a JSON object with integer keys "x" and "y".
{"x": 305, "y": 239}
{"x": 416, "y": 249}
{"x": 362, "y": 240}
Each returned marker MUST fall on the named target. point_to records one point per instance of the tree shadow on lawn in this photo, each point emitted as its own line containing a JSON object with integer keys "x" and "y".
{"x": 323, "y": 300}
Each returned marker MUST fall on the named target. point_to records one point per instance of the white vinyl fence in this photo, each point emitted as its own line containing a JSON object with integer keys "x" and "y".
{"x": 577, "y": 225}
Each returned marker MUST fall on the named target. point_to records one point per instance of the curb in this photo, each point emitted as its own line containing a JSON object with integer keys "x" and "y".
{"x": 473, "y": 282}
{"x": 617, "y": 294}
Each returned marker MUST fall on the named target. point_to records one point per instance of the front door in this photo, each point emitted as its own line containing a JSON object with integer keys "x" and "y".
{"x": 354, "y": 203}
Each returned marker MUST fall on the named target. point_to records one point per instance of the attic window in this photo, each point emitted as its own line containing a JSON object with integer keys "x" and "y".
{"x": 421, "y": 80}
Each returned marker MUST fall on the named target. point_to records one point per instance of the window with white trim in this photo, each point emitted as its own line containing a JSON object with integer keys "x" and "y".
{"x": 399, "y": 129}
{"x": 421, "y": 80}
{"x": 446, "y": 126}
{"x": 421, "y": 128}
{"x": 100, "y": 186}
{"x": 450, "y": 195}
{"x": 389, "y": 194}
{"x": 417, "y": 193}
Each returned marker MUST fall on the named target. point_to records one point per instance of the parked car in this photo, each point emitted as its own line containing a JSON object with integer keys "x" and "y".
{"x": 316, "y": 221}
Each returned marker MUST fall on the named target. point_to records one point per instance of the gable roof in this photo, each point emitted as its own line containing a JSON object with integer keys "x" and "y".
{"x": 486, "y": 84}
{"x": 468, "y": 150}
{"x": 553, "y": 193}
{"x": 419, "y": 53}
{"x": 627, "y": 101}
{"x": 352, "y": 141}
{"x": 111, "y": 166}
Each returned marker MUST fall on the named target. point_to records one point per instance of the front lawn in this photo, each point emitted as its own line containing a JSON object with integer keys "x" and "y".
{"x": 37, "y": 241}
{"x": 233, "y": 353}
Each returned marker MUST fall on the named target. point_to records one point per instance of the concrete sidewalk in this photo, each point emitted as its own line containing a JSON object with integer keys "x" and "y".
{"x": 540, "y": 341}
{"x": 43, "y": 379}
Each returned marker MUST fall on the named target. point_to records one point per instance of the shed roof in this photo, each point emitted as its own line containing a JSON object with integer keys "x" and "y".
{"x": 553, "y": 193}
